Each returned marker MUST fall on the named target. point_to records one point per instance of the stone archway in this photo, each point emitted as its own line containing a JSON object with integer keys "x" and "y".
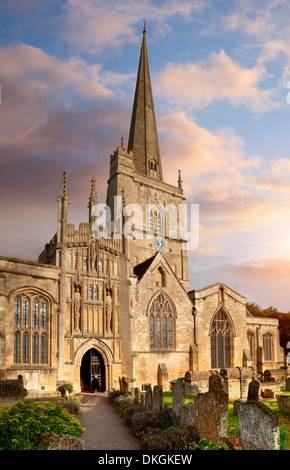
{"x": 95, "y": 357}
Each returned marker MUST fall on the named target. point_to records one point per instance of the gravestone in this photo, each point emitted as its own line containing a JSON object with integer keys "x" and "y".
{"x": 215, "y": 382}
{"x": 288, "y": 384}
{"x": 258, "y": 427}
{"x": 12, "y": 389}
{"x": 137, "y": 395}
{"x": 211, "y": 415}
{"x": 253, "y": 390}
{"x": 178, "y": 397}
{"x": 157, "y": 398}
{"x": 190, "y": 414}
{"x": 149, "y": 399}
{"x": 125, "y": 386}
{"x": 284, "y": 403}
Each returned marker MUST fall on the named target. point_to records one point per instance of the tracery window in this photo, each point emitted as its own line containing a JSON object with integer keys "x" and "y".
{"x": 220, "y": 338}
{"x": 268, "y": 347}
{"x": 30, "y": 328}
{"x": 161, "y": 323}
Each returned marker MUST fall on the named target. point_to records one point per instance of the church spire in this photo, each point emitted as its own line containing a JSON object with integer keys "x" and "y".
{"x": 93, "y": 200}
{"x": 63, "y": 202}
{"x": 143, "y": 137}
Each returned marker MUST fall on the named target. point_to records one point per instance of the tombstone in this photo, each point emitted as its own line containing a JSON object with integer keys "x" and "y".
{"x": 162, "y": 376}
{"x": 284, "y": 403}
{"x": 157, "y": 398}
{"x": 215, "y": 382}
{"x": 10, "y": 388}
{"x": 253, "y": 390}
{"x": 125, "y": 386}
{"x": 211, "y": 415}
{"x": 142, "y": 397}
{"x": 287, "y": 384}
{"x": 258, "y": 427}
{"x": 190, "y": 414}
{"x": 178, "y": 397}
{"x": 149, "y": 399}
{"x": 137, "y": 395}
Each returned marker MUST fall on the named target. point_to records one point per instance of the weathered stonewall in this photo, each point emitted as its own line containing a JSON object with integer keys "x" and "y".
{"x": 258, "y": 427}
{"x": 211, "y": 415}
{"x": 178, "y": 397}
{"x": 253, "y": 390}
{"x": 157, "y": 398}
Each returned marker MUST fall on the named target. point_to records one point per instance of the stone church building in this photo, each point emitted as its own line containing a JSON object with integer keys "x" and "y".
{"x": 93, "y": 309}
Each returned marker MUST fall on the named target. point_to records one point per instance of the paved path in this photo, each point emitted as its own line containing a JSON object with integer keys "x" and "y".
{"x": 105, "y": 429}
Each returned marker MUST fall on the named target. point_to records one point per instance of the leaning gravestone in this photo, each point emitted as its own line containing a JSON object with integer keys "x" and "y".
{"x": 253, "y": 390}
{"x": 178, "y": 397}
{"x": 258, "y": 427}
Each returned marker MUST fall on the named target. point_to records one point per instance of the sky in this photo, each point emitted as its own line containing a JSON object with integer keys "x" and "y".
{"x": 220, "y": 73}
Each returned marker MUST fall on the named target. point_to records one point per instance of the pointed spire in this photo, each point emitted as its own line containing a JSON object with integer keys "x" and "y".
{"x": 63, "y": 195}
{"x": 93, "y": 199}
{"x": 143, "y": 137}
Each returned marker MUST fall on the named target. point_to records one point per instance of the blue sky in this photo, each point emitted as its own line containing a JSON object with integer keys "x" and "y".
{"x": 219, "y": 71}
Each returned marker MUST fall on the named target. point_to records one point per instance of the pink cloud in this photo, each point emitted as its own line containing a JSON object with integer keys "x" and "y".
{"x": 218, "y": 78}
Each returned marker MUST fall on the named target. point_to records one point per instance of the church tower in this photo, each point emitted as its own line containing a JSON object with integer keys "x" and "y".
{"x": 153, "y": 219}
{"x": 156, "y": 322}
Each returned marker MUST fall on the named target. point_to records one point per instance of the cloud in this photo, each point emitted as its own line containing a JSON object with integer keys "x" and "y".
{"x": 193, "y": 86}
{"x": 264, "y": 282}
{"x": 229, "y": 186}
{"x": 91, "y": 25}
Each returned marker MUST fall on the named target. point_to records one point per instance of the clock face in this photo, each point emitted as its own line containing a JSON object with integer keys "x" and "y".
{"x": 159, "y": 244}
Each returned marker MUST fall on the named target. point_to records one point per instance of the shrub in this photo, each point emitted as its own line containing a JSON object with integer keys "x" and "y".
{"x": 51, "y": 441}
{"x": 114, "y": 394}
{"x": 23, "y": 424}
{"x": 147, "y": 419}
{"x": 173, "y": 438}
{"x": 130, "y": 412}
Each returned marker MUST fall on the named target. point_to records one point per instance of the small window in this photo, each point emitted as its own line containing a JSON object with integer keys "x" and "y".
{"x": 101, "y": 265}
{"x": 96, "y": 293}
{"x": 268, "y": 347}
{"x": 85, "y": 263}
{"x": 90, "y": 293}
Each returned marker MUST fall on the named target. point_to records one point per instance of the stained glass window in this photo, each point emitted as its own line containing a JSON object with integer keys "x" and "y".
{"x": 161, "y": 323}
{"x": 17, "y": 312}
{"x": 220, "y": 336}
{"x": 268, "y": 347}
{"x": 30, "y": 314}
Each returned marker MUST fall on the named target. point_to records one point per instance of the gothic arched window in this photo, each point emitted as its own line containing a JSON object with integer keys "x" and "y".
{"x": 161, "y": 323}
{"x": 268, "y": 347}
{"x": 30, "y": 323}
{"x": 220, "y": 339}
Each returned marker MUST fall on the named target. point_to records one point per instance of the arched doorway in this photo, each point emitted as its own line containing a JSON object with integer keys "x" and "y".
{"x": 92, "y": 372}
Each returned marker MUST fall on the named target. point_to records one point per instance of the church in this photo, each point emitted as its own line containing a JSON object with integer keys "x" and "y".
{"x": 98, "y": 306}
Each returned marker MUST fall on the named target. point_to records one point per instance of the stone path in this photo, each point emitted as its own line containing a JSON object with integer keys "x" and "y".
{"x": 104, "y": 427}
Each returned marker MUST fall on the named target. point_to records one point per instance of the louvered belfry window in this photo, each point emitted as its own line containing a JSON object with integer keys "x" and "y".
{"x": 161, "y": 323}
{"x": 30, "y": 328}
{"x": 220, "y": 337}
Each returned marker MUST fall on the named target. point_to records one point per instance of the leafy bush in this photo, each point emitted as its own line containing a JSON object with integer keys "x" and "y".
{"x": 51, "y": 441}
{"x": 130, "y": 412}
{"x": 23, "y": 424}
{"x": 173, "y": 438}
{"x": 145, "y": 420}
